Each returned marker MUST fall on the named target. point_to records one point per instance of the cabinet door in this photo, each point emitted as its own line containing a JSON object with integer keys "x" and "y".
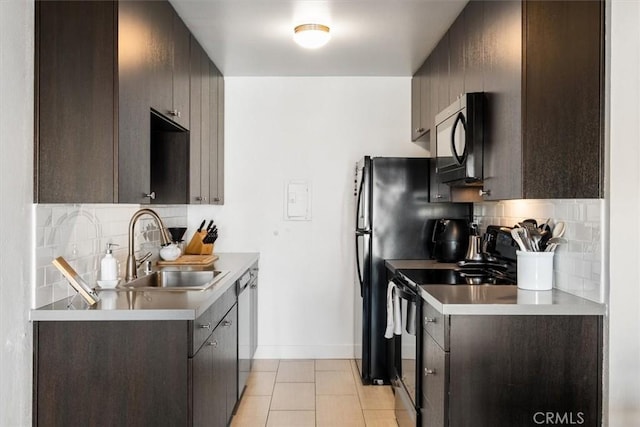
{"x": 435, "y": 373}
{"x": 216, "y": 142}
{"x": 159, "y": 18}
{"x": 203, "y": 383}
{"x": 415, "y": 106}
{"x": 562, "y": 90}
{"x": 134, "y": 45}
{"x": 474, "y": 46}
{"x": 74, "y": 150}
{"x": 502, "y": 86}
{"x": 426, "y": 112}
{"x": 181, "y": 71}
{"x": 196, "y": 118}
{"x": 457, "y": 34}
{"x": 441, "y": 67}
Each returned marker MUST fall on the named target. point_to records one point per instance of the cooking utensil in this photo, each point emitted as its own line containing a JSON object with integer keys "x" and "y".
{"x": 558, "y": 229}
{"x": 204, "y": 221}
{"x": 515, "y": 233}
{"x": 210, "y": 225}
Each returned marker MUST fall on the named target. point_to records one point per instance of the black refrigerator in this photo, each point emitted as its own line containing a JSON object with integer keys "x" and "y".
{"x": 395, "y": 220}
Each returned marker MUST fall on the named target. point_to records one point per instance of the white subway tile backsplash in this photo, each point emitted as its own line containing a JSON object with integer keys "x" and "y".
{"x": 577, "y": 266}
{"x": 80, "y": 233}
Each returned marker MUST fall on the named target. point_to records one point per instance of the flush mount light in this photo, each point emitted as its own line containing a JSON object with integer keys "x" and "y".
{"x": 311, "y": 36}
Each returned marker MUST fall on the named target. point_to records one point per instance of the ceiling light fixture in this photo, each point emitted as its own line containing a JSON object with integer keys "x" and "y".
{"x": 311, "y": 36}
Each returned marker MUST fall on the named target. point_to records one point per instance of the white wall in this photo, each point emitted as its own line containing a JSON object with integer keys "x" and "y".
{"x": 16, "y": 176}
{"x": 624, "y": 296}
{"x": 313, "y": 129}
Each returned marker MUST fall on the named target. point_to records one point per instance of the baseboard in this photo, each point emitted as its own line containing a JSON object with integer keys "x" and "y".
{"x": 305, "y": 352}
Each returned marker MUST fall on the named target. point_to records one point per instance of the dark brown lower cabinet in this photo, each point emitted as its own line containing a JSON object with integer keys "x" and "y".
{"x": 215, "y": 375}
{"x": 134, "y": 373}
{"x": 512, "y": 371}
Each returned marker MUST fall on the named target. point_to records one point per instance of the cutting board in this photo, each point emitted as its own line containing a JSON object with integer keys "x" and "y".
{"x": 190, "y": 260}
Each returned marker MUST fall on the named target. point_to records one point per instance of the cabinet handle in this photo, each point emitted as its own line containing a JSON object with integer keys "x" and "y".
{"x": 216, "y": 199}
{"x": 213, "y": 343}
{"x": 198, "y": 199}
{"x": 430, "y": 320}
{"x": 439, "y": 196}
{"x": 254, "y": 285}
{"x": 227, "y": 323}
{"x": 151, "y": 195}
{"x": 204, "y": 199}
{"x": 484, "y": 192}
{"x": 175, "y": 113}
{"x": 428, "y": 371}
{"x": 420, "y": 130}
{"x": 206, "y": 326}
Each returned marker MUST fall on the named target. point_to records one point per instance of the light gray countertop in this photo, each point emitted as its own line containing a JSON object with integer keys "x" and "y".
{"x": 153, "y": 305}
{"x": 496, "y": 299}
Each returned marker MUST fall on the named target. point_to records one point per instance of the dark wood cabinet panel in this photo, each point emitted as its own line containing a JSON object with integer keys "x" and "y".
{"x": 435, "y": 383}
{"x": 502, "y": 370}
{"x": 181, "y": 72}
{"x": 158, "y": 18}
{"x": 196, "y": 122}
{"x": 426, "y": 92}
{"x": 134, "y": 44}
{"x": 441, "y": 74}
{"x": 416, "y": 96}
{"x": 457, "y": 34}
{"x": 110, "y": 373}
{"x": 474, "y": 46}
{"x": 207, "y": 125}
{"x": 563, "y": 93}
{"x": 503, "y": 91}
{"x": 526, "y": 364}
{"x": 221, "y": 140}
{"x": 75, "y": 102}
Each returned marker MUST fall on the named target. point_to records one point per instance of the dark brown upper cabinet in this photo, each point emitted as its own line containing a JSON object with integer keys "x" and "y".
{"x": 104, "y": 69}
{"x": 207, "y": 132}
{"x": 540, "y": 65}
{"x": 75, "y": 107}
{"x": 544, "y": 65}
{"x": 420, "y": 106}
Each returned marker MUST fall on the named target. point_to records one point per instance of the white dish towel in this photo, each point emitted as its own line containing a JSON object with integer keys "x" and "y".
{"x": 394, "y": 321}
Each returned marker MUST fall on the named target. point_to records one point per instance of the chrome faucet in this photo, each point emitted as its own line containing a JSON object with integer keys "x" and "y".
{"x": 131, "y": 272}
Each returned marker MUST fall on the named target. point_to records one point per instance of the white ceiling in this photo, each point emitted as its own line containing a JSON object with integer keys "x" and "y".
{"x": 368, "y": 37}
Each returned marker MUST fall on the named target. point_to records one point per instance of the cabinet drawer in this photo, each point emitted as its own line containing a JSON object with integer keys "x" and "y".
{"x": 435, "y": 323}
{"x": 202, "y": 327}
{"x": 435, "y": 383}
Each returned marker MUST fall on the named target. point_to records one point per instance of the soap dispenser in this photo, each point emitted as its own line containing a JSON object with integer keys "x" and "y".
{"x": 109, "y": 265}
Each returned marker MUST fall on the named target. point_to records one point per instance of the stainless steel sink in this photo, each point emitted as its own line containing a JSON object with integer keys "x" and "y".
{"x": 175, "y": 280}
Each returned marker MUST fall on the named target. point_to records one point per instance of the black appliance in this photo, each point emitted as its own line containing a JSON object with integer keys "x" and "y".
{"x": 460, "y": 139}
{"x": 394, "y": 221}
{"x": 497, "y": 268}
{"x": 450, "y": 239}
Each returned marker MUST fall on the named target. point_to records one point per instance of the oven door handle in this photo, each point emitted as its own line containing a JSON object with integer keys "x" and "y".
{"x": 460, "y": 157}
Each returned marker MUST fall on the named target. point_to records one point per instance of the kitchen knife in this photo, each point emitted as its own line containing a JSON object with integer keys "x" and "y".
{"x": 209, "y": 226}
{"x": 202, "y": 225}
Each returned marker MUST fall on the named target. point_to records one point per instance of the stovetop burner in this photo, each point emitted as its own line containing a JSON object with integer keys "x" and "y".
{"x": 461, "y": 276}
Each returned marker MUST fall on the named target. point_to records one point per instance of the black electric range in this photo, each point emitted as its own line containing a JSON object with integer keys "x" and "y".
{"x": 498, "y": 268}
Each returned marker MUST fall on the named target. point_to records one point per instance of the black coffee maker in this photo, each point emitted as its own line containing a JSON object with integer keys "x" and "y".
{"x": 450, "y": 239}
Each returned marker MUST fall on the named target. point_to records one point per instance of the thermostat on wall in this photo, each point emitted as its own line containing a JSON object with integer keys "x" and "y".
{"x": 297, "y": 201}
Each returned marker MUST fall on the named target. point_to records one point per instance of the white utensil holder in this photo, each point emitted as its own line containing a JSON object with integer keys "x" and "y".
{"x": 535, "y": 270}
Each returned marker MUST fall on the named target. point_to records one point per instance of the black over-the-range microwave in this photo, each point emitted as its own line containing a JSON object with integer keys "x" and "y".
{"x": 460, "y": 140}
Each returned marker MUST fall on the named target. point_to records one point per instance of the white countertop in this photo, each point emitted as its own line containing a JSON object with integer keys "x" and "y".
{"x": 153, "y": 305}
{"x": 496, "y": 299}
{"x": 506, "y": 300}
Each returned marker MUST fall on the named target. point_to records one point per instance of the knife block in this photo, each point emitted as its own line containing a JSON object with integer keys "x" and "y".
{"x": 196, "y": 247}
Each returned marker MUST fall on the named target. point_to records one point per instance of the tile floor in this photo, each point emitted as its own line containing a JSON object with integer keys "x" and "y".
{"x": 322, "y": 393}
